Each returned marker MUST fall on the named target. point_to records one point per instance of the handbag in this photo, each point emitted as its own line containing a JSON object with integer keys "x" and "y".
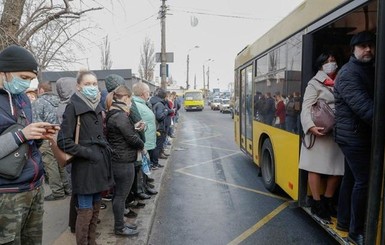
{"x": 323, "y": 116}
{"x": 12, "y": 164}
{"x": 62, "y": 157}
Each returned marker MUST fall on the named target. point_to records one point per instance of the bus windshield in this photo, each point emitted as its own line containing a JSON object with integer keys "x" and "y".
{"x": 193, "y": 96}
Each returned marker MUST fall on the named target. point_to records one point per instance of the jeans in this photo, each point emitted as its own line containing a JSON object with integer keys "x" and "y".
{"x": 124, "y": 174}
{"x": 159, "y": 147}
{"x": 87, "y": 200}
{"x": 354, "y": 188}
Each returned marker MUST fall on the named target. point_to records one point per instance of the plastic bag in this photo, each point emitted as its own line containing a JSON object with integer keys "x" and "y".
{"x": 146, "y": 164}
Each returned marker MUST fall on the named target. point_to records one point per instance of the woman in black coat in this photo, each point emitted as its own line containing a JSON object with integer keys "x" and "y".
{"x": 126, "y": 142}
{"x": 91, "y": 167}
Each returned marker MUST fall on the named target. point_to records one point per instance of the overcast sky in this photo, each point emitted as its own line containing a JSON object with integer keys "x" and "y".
{"x": 224, "y": 28}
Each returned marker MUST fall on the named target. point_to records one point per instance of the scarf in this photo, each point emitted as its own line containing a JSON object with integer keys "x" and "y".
{"x": 91, "y": 103}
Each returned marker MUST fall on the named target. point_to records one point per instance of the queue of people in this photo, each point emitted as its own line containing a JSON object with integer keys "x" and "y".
{"x": 115, "y": 132}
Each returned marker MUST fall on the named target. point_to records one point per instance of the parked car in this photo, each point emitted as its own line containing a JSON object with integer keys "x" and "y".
{"x": 224, "y": 106}
{"x": 215, "y": 104}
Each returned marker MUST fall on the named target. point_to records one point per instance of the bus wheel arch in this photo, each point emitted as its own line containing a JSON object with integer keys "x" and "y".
{"x": 268, "y": 165}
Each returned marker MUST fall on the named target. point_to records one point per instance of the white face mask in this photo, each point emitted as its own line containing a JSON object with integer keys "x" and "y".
{"x": 330, "y": 67}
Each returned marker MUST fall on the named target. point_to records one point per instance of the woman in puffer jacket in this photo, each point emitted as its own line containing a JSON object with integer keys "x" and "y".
{"x": 126, "y": 142}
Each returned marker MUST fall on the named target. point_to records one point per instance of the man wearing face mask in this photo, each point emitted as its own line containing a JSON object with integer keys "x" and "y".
{"x": 354, "y": 91}
{"x": 21, "y": 198}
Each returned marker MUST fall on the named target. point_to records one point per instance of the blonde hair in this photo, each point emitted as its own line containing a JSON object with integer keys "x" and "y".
{"x": 83, "y": 73}
{"x": 117, "y": 94}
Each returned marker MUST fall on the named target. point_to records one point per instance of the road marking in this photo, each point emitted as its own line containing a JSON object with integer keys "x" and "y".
{"x": 233, "y": 185}
{"x": 213, "y": 136}
{"x": 207, "y": 146}
{"x": 258, "y": 225}
{"x": 201, "y": 163}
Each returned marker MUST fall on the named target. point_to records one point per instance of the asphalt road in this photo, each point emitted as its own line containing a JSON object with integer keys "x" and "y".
{"x": 211, "y": 193}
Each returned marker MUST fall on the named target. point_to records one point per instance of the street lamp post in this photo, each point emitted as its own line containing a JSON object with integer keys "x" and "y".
{"x": 188, "y": 66}
{"x": 208, "y": 75}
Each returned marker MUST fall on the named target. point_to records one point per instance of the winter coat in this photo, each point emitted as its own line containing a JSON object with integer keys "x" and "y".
{"x": 281, "y": 112}
{"x": 354, "y": 93}
{"x": 32, "y": 174}
{"x": 91, "y": 167}
{"x": 44, "y": 109}
{"x": 325, "y": 157}
{"x": 136, "y": 117}
{"x": 149, "y": 118}
{"x": 161, "y": 111}
{"x": 122, "y": 136}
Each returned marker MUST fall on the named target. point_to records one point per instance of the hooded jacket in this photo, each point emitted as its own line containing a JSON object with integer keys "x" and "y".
{"x": 13, "y": 109}
{"x": 65, "y": 87}
{"x": 44, "y": 109}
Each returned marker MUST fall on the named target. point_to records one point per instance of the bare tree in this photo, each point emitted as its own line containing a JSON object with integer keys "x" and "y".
{"x": 106, "y": 55}
{"x": 147, "y": 60}
{"x": 24, "y": 22}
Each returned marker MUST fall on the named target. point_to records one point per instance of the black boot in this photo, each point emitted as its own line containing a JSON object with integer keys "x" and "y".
{"x": 328, "y": 202}
{"x": 320, "y": 210}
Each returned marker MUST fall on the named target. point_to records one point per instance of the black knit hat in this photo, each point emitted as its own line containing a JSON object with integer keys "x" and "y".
{"x": 363, "y": 37}
{"x": 16, "y": 58}
{"x": 113, "y": 81}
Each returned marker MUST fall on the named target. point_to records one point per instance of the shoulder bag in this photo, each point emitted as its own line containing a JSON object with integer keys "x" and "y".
{"x": 323, "y": 116}
{"x": 12, "y": 164}
{"x": 62, "y": 157}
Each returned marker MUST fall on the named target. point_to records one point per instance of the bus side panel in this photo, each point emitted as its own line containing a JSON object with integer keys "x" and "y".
{"x": 249, "y": 147}
{"x": 286, "y": 155}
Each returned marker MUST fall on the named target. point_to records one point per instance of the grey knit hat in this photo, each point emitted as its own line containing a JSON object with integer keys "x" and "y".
{"x": 113, "y": 81}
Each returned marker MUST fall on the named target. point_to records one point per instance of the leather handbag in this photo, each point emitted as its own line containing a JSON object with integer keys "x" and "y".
{"x": 62, "y": 157}
{"x": 323, "y": 116}
{"x": 12, "y": 164}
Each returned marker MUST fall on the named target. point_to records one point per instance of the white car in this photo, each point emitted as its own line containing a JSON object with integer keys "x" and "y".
{"x": 215, "y": 104}
{"x": 224, "y": 106}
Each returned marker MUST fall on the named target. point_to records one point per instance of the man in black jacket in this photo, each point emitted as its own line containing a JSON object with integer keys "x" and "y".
{"x": 353, "y": 90}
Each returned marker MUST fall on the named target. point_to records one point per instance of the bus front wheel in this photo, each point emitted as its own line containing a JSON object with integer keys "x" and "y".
{"x": 268, "y": 166}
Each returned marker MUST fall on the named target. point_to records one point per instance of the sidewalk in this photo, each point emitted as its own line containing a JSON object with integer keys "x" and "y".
{"x": 143, "y": 221}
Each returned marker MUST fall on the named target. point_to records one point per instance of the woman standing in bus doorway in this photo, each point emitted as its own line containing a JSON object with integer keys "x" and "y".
{"x": 325, "y": 157}
{"x": 91, "y": 171}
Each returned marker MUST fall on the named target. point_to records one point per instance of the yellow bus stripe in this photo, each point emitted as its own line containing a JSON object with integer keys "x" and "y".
{"x": 233, "y": 185}
{"x": 258, "y": 225}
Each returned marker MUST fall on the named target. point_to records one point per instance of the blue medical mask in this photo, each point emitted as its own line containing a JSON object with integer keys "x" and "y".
{"x": 16, "y": 85}
{"x": 91, "y": 92}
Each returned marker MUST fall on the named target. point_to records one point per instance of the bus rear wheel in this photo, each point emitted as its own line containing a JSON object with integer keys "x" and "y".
{"x": 268, "y": 166}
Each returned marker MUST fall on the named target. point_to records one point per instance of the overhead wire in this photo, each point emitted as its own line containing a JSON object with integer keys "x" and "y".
{"x": 203, "y": 12}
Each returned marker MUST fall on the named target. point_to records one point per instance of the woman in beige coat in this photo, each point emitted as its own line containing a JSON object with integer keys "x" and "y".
{"x": 325, "y": 157}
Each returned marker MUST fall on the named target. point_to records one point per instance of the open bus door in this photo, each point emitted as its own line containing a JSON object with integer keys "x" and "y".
{"x": 375, "y": 229}
{"x": 307, "y": 74}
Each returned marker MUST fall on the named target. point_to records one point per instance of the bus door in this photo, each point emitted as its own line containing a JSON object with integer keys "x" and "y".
{"x": 307, "y": 74}
{"x": 246, "y": 109}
